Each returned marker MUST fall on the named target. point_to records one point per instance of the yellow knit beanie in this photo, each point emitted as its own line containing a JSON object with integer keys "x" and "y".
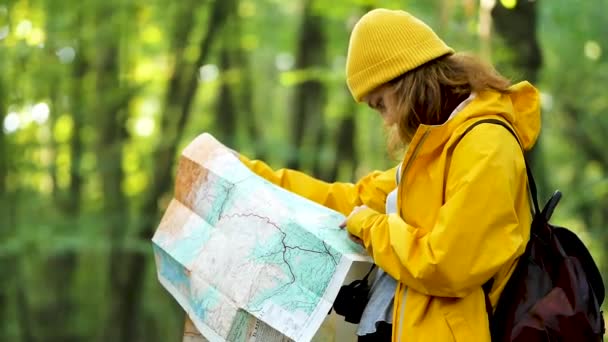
{"x": 385, "y": 44}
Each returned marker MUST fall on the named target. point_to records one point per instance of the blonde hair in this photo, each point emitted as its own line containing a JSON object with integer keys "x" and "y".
{"x": 428, "y": 94}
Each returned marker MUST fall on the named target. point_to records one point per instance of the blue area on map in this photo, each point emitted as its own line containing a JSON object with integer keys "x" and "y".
{"x": 170, "y": 269}
{"x": 205, "y": 301}
{"x": 188, "y": 248}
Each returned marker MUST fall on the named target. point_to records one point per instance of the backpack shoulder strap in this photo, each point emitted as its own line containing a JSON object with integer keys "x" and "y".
{"x": 531, "y": 182}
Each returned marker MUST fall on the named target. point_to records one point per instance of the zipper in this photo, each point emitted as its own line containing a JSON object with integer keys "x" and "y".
{"x": 409, "y": 163}
{"x": 401, "y": 313}
{"x": 400, "y": 307}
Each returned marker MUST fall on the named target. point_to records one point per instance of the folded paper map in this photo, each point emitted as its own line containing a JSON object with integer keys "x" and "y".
{"x": 248, "y": 260}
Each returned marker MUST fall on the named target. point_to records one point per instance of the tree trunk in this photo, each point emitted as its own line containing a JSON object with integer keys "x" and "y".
{"x": 244, "y": 88}
{"x": 112, "y": 115}
{"x": 53, "y": 320}
{"x": 54, "y": 87}
{"x": 310, "y": 95}
{"x": 52, "y": 145}
{"x": 517, "y": 27}
{"x": 3, "y": 149}
{"x": 80, "y": 67}
{"x": 178, "y": 102}
{"x": 345, "y": 149}
{"x": 225, "y": 111}
{"x": 111, "y": 139}
{"x": 12, "y": 265}
{"x": 23, "y": 307}
{"x": 246, "y": 108}
{"x": 4, "y": 228}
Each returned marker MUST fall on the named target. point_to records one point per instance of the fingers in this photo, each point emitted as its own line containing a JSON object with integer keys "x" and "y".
{"x": 350, "y": 236}
{"x": 353, "y": 212}
{"x": 357, "y": 209}
{"x": 355, "y": 239}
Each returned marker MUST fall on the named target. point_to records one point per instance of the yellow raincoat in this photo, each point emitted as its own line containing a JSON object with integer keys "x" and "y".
{"x": 464, "y": 215}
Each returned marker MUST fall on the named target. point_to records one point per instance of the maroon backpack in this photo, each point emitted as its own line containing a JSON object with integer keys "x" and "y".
{"x": 556, "y": 290}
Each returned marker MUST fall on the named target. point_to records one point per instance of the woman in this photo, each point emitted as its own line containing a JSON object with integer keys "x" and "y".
{"x": 462, "y": 213}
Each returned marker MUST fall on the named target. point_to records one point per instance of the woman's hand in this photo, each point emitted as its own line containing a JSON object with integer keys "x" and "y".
{"x": 343, "y": 224}
{"x": 355, "y": 239}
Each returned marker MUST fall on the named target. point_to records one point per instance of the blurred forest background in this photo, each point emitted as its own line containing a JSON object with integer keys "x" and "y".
{"x": 98, "y": 97}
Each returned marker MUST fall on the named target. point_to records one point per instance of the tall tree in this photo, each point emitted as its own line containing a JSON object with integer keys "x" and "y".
{"x": 54, "y": 318}
{"x": 310, "y": 94}
{"x": 10, "y": 293}
{"x": 3, "y": 143}
{"x": 55, "y": 108}
{"x": 243, "y": 84}
{"x": 226, "y": 107}
{"x": 345, "y": 143}
{"x": 245, "y": 96}
{"x": 112, "y": 112}
{"x": 4, "y": 290}
{"x": 80, "y": 67}
{"x": 111, "y": 115}
{"x": 517, "y": 26}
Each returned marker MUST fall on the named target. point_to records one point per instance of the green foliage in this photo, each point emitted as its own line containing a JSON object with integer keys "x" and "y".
{"x": 91, "y": 98}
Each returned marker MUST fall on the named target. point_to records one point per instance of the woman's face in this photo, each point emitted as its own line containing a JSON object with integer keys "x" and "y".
{"x": 382, "y": 100}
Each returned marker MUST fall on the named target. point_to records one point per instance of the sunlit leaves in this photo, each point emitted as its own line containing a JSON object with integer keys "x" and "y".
{"x": 247, "y": 9}
{"x": 4, "y": 31}
{"x": 208, "y": 72}
{"x": 27, "y": 24}
{"x": 136, "y": 179}
{"x": 135, "y": 183}
{"x": 40, "y": 112}
{"x": 20, "y": 119}
{"x": 510, "y": 4}
{"x": 66, "y": 54}
{"x": 284, "y": 61}
{"x": 148, "y": 69}
{"x": 144, "y": 126}
{"x": 593, "y": 50}
{"x": 62, "y": 131}
{"x": 12, "y": 122}
{"x": 62, "y": 165}
{"x": 250, "y": 42}
{"x": 23, "y": 29}
{"x": 151, "y": 34}
{"x": 292, "y": 78}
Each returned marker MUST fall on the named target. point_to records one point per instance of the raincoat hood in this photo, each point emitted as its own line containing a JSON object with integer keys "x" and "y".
{"x": 520, "y": 108}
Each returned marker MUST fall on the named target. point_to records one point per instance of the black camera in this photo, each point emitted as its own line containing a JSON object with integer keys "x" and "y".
{"x": 352, "y": 299}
